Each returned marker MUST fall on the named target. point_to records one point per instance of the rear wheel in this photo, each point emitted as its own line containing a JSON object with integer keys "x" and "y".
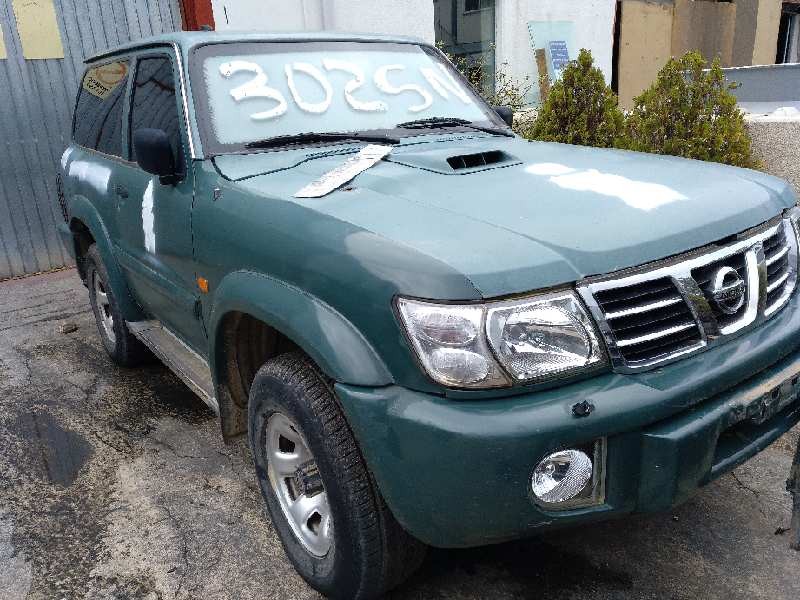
{"x": 333, "y": 523}
{"x": 118, "y": 341}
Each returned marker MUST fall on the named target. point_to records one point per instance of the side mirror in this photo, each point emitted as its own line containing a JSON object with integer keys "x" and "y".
{"x": 505, "y": 113}
{"x": 154, "y": 154}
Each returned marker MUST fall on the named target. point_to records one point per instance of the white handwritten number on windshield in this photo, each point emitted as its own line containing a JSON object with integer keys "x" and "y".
{"x": 440, "y": 80}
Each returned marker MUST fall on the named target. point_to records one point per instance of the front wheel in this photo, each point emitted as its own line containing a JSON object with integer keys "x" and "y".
{"x": 330, "y": 516}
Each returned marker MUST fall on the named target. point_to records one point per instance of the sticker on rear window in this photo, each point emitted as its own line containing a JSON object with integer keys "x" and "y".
{"x": 103, "y": 80}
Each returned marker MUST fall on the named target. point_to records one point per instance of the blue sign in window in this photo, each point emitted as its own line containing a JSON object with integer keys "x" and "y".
{"x": 559, "y": 55}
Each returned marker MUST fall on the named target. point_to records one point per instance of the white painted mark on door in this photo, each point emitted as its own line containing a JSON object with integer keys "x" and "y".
{"x": 148, "y": 219}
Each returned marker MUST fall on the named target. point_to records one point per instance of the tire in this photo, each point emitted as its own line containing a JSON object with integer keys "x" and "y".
{"x": 121, "y": 345}
{"x": 368, "y": 552}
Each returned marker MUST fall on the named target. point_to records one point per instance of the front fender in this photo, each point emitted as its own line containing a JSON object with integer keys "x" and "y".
{"x": 333, "y": 342}
{"x": 81, "y": 208}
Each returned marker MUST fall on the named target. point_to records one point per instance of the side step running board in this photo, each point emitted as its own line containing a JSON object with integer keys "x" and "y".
{"x": 182, "y": 360}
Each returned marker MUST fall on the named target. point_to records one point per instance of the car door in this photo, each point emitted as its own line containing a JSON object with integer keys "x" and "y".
{"x": 155, "y": 225}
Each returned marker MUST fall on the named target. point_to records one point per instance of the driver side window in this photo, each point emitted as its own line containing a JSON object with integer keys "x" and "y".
{"x": 154, "y": 104}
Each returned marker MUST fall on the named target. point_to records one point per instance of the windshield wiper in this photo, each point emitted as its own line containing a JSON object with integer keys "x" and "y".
{"x": 310, "y": 137}
{"x": 434, "y": 122}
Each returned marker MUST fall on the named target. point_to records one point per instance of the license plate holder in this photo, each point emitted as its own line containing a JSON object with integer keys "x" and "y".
{"x": 774, "y": 401}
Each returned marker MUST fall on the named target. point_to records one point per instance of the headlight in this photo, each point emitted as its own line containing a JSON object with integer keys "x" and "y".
{"x": 533, "y": 339}
{"x": 450, "y": 343}
{"x": 543, "y": 337}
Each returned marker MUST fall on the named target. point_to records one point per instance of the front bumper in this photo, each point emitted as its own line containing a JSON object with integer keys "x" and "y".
{"x": 456, "y": 472}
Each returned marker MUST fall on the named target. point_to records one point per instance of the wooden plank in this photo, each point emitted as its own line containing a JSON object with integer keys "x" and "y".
{"x": 3, "y": 53}
{"x": 38, "y": 29}
{"x": 544, "y": 78}
{"x": 705, "y": 26}
{"x": 645, "y": 46}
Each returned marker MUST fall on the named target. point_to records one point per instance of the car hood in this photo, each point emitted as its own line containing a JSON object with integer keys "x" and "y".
{"x": 536, "y": 215}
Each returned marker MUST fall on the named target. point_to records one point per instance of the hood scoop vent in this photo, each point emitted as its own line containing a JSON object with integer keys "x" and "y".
{"x": 475, "y": 161}
{"x": 448, "y": 159}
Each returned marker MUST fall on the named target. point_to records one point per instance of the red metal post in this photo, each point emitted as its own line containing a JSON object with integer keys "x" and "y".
{"x": 196, "y": 13}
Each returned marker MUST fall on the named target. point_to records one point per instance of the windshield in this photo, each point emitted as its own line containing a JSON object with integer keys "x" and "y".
{"x": 246, "y": 92}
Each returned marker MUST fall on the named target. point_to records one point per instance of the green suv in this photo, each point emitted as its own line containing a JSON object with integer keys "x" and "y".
{"x": 432, "y": 331}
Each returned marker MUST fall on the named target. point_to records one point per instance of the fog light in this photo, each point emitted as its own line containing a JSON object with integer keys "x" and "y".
{"x": 561, "y": 476}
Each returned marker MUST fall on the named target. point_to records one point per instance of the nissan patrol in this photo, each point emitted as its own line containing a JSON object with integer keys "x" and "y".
{"x": 432, "y": 331}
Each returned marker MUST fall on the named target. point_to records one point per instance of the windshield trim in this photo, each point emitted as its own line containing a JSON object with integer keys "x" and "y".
{"x": 212, "y": 146}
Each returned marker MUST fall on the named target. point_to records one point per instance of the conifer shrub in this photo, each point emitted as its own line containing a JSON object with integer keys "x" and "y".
{"x": 580, "y": 109}
{"x": 689, "y": 111}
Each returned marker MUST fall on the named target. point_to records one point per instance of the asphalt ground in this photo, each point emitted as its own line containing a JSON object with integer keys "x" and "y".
{"x": 115, "y": 483}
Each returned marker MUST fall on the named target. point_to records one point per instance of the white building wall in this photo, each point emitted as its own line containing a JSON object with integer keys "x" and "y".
{"x": 399, "y": 17}
{"x": 269, "y": 15}
{"x": 593, "y": 29}
{"x": 592, "y": 24}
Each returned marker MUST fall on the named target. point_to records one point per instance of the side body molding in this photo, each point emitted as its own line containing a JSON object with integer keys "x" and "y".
{"x": 81, "y": 208}
{"x": 333, "y": 342}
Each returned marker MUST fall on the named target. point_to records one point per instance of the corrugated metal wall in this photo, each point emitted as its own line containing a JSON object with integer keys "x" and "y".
{"x": 36, "y": 101}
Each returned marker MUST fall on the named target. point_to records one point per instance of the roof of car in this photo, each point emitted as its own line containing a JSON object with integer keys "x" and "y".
{"x": 189, "y": 39}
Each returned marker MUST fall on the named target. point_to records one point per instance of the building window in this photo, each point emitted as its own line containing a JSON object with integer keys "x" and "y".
{"x": 789, "y": 34}
{"x": 475, "y": 5}
{"x": 465, "y": 30}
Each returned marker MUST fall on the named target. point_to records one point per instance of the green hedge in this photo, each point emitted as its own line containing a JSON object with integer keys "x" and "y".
{"x": 580, "y": 109}
{"x": 688, "y": 111}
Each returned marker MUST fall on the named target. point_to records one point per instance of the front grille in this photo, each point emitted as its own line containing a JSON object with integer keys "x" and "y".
{"x": 704, "y": 277}
{"x": 663, "y": 311}
{"x": 779, "y": 268}
{"x": 648, "y": 320}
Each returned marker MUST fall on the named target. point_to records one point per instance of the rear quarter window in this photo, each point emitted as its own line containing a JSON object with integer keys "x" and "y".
{"x": 98, "y": 112}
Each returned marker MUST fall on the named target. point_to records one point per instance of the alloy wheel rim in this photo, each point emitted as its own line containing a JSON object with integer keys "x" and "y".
{"x": 104, "y": 308}
{"x": 305, "y": 506}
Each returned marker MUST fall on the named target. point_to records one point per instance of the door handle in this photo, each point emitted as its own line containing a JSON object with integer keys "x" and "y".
{"x": 121, "y": 190}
